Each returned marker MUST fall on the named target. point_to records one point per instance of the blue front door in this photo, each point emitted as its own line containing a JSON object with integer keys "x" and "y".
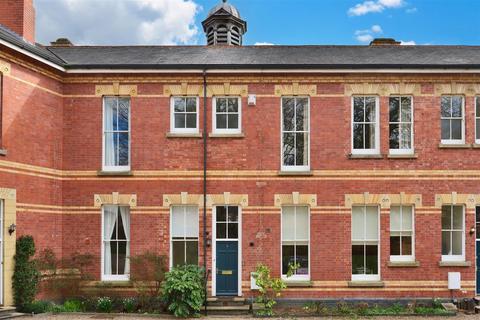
{"x": 227, "y": 268}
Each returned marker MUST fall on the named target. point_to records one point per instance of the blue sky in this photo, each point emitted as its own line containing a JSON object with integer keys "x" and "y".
{"x": 269, "y": 21}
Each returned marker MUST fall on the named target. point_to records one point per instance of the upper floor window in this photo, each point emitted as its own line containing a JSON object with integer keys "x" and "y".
{"x": 116, "y": 133}
{"x": 453, "y": 233}
{"x": 116, "y": 242}
{"x": 295, "y": 134}
{"x": 295, "y": 241}
{"x": 184, "y": 235}
{"x": 227, "y": 115}
{"x": 365, "y": 126}
{"x": 401, "y": 125}
{"x": 477, "y": 119}
{"x": 453, "y": 119}
{"x": 401, "y": 233}
{"x": 184, "y": 115}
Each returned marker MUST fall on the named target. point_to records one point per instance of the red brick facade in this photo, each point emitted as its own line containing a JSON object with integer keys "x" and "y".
{"x": 19, "y": 16}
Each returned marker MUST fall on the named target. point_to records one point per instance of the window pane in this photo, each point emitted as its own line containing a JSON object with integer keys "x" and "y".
{"x": 288, "y": 105}
{"x": 446, "y": 217}
{"x": 456, "y": 129}
{"x": 395, "y": 218}
{"x": 122, "y": 256}
{"x": 123, "y": 114}
{"x": 406, "y": 115}
{"x": 177, "y": 221}
{"x": 179, "y": 120}
{"x": 288, "y": 223}
{"x": 407, "y": 222}
{"x": 221, "y": 121}
{"x": 221, "y": 104}
{"x": 178, "y": 253}
{"x": 477, "y": 133}
{"x": 371, "y": 257}
{"x": 179, "y": 104}
{"x": 191, "y": 121}
{"x": 395, "y": 245}
{"x": 302, "y": 259}
{"x": 232, "y": 105}
{"x": 358, "y": 109}
{"x": 289, "y": 149}
{"x": 358, "y": 136}
{"x": 406, "y": 245}
{"x": 446, "y": 106}
{"x": 358, "y": 223}
{"x": 394, "y": 106}
{"x": 191, "y": 104}
{"x": 458, "y": 217}
{"x": 192, "y": 252}
{"x": 232, "y": 213}
{"x": 371, "y": 223}
{"x": 446, "y": 248}
{"x": 394, "y": 136}
{"x": 287, "y": 257}
{"x": 221, "y": 230}
{"x": 457, "y": 242}
{"x": 369, "y": 136}
{"x": 301, "y": 149}
{"x": 445, "y": 129}
{"x": 370, "y": 113}
{"x": 113, "y": 256}
{"x": 302, "y": 223}
{"x": 457, "y": 106}
{"x": 358, "y": 259}
{"x": 123, "y": 149}
{"x": 221, "y": 213}
{"x": 191, "y": 220}
{"x": 406, "y": 136}
{"x": 233, "y": 121}
{"x": 233, "y": 230}
{"x": 302, "y": 115}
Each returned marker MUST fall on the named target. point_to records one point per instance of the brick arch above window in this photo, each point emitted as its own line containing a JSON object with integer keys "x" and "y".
{"x": 383, "y": 200}
{"x": 226, "y": 198}
{"x": 383, "y": 89}
{"x": 295, "y": 89}
{"x": 469, "y": 200}
{"x": 5, "y": 67}
{"x": 115, "y": 199}
{"x": 116, "y": 89}
{"x": 454, "y": 88}
{"x": 295, "y": 198}
{"x": 222, "y": 89}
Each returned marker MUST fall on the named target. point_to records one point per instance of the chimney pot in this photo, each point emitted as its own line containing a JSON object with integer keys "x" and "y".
{"x": 384, "y": 42}
{"x": 61, "y": 42}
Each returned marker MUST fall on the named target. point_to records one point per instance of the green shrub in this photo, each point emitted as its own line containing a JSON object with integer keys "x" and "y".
{"x": 146, "y": 269}
{"x": 104, "y": 304}
{"x": 37, "y": 307}
{"x": 25, "y": 275}
{"x": 129, "y": 305}
{"x": 183, "y": 290}
{"x": 74, "y": 306}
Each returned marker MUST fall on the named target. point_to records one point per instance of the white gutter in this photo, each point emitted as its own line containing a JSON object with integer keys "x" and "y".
{"x": 31, "y": 55}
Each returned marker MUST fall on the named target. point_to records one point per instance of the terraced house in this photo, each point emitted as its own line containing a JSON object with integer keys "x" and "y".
{"x": 359, "y": 163}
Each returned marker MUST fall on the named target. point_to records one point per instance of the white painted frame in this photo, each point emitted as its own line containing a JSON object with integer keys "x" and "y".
{"x": 172, "y": 116}
{"x": 117, "y": 168}
{"x": 404, "y": 258}
{"x": 109, "y": 277}
{"x": 368, "y": 277}
{"x": 451, "y": 257}
{"x": 453, "y": 141}
{"x": 477, "y": 116}
{"x": 412, "y": 123}
{"x": 214, "y": 248}
{"x": 375, "y": 150}
{"x": 170, "y": 263}
{"x": 294, "y": 168}
{"x": 295, "y": 277}
{"x": 214, "y": 116}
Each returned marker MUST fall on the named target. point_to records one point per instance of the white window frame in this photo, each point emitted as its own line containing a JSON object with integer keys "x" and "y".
{"x": 412, "y": 134}
{"x": 368, "y": 277}
{"x": 295, "y": 277}
{"x": 111, "y": 277}
{"x": 375, "y": 150}
{"x": 403, "y": 258}
{"x": 477, "y": 117}
{"x": 184, "y": 225}
{"x": 214, "y": 116}
{"x": 453, "y": 141}
{"x": 294, "y": 168}
{"x": 117, "y": 168}
{"x": 172, "y": 115}
{"x": 451, "y": 257}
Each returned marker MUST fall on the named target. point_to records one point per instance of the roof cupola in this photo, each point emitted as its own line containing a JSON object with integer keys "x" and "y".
{"x": 224, "y": 26}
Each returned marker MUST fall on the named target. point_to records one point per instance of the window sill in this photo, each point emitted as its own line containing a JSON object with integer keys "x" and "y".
{"x": 365, "y": 156}
{"x": 366, "y": 284}
{"x": 403, "y": 156}
{"x": 295, "y": 173}
{"x": 298, "y": 283}
{"x": 454, "y": 264}
{"x": 454, "y": 146}
{"x": 113, "y": 283}
{"x": 226, "y": 135}
{"x": 403, "y": 264}
{"x": 3, "y": 152}
{"x": 114, "y": 173}
{"x": 476, "y": 145}
{"x": 183, "y": 135}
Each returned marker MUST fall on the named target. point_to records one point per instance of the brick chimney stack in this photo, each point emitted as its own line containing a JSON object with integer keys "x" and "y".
{"x": 19, "y": 16}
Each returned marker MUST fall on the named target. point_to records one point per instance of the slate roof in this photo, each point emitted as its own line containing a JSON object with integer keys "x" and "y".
{"x": 253, "y": 57}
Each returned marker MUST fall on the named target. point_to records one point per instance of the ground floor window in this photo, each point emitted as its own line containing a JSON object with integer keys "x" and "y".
{"x": 116, "y": 242}
{"x": 365, "y": 244}
{"x": 401, "y": 233}
{"x": 453, "y": 233}
{"x": 184, "y": 235}
{"x": 295, "y": 240}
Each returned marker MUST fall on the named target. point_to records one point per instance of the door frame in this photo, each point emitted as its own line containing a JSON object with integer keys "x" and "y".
{"x": 214, "y": 249}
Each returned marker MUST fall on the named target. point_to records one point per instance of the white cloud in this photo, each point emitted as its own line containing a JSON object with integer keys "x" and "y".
{"x": 407, "y": 43}
{"x": 370, "y": 6}
{"x": 263, "y": 44}
{"x": 411, "y": 10}
{"x": 367, "y": 35}
{"x": 116, "y": 22}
